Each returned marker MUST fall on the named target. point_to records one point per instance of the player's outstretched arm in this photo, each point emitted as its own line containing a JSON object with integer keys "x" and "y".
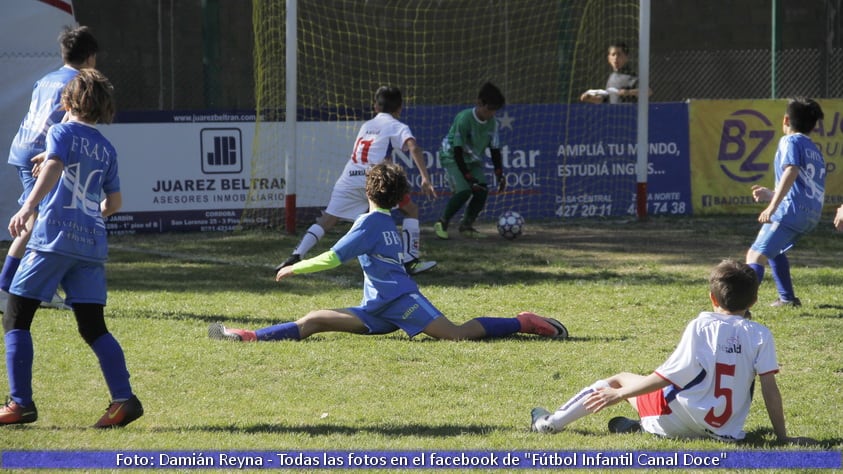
{"x": 418, "y": 157}
{"x": 775, "y": 410}
{"x": 324, "y": 261}
{"x": 603, "y": 398}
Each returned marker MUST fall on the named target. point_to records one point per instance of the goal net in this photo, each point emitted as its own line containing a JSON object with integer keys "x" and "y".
{"x": 562, "y": 158}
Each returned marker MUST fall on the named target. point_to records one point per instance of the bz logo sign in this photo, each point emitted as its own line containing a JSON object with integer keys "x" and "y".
{"x": 742, "y": 140}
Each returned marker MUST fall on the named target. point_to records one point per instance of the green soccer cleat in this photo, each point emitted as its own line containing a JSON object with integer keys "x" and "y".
{"x": 441, "y": 230}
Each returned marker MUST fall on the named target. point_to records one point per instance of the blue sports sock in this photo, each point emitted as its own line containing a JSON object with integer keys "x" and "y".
{"x": 113, "y": 365}
{"x": 279, "y": 332}
{"x": 499, "y": 327}
{"x": 10, "y": 266}
{"x": 780, "y": 270}
{"x": 19, "y": 356}
{"x": 759, "y": 270}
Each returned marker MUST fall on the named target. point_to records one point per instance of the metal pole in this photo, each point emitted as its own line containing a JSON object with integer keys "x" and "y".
{"x": 291, "y": 116}
{"x": 643, "y": 107}
{"x": 774, "y": 48}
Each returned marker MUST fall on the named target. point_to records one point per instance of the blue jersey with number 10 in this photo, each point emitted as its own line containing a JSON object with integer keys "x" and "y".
{"x": 69, "y": 218}
{"x": 802, "y": 206}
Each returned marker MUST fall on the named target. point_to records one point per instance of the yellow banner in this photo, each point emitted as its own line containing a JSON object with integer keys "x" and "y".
{"x": 733, "y": 143}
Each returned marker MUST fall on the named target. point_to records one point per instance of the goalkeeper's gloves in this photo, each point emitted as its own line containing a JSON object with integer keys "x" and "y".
{"x": 476, "y": 186}
{"x": 500, "y": 179}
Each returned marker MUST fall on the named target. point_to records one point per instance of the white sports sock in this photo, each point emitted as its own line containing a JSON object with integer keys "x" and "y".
{"x": 311, "y": 237}
{"x": 574, "y": 409}
{"x": 410, "y": 233}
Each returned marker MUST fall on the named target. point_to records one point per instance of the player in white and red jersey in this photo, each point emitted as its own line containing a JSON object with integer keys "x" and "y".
{"x": 704, "y": 389}
{"x": 375, "y": 143}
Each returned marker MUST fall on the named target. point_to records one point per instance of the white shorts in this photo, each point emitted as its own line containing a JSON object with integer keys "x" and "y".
{"x": 657, "y": 418}
{"x": 348, "y": 202}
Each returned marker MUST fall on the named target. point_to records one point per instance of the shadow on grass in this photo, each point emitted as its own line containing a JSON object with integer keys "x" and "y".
{"x": 254, "y": 323}
{"x": 433, "y": 431}
{"x": 765, "y": 438}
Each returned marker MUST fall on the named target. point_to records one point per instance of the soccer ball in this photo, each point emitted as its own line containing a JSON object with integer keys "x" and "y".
{"x": 510, "y": 225}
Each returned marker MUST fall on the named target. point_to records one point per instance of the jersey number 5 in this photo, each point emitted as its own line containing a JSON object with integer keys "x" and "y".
{"x": 720, "y": 371}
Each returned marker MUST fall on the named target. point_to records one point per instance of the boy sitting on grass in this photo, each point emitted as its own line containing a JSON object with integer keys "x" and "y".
{"x": 704, "y": 389}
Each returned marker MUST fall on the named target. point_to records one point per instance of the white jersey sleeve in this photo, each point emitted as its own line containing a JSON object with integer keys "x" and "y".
{"x": 713, "y": 371}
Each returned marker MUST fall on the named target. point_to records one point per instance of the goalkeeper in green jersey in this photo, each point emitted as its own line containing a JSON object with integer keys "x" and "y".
{"x": 472, "y": 132}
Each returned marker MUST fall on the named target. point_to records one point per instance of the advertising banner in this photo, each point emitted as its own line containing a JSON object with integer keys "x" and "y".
{"x": 199, "y": 171}
{"x": 733, "y": 144}
{"x": 571, "y": 161}
{"x": 201, "y": 175}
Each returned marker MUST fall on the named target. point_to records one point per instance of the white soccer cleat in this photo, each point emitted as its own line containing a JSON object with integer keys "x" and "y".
{"x": 416, "y": 266}
{"x": 56, "y": 303}
{"x": 539, "y": 422}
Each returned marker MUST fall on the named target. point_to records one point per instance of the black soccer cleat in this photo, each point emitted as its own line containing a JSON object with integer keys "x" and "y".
{"x": 621, "y": 424}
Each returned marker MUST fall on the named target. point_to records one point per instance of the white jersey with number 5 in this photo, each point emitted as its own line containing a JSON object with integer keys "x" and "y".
{"x": 713, "y": 371}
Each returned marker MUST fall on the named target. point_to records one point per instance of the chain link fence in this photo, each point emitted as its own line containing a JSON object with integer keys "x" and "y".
{"x": 184, "y": 55}
{"x": 745, "y": 74}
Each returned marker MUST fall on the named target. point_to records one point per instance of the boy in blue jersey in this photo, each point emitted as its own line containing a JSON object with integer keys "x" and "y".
{"x": 473, "y": 131}
{"x": 796, "y": 203}
{"x": 79, "y": 50}
{"x": 391, "y": 299}
{"x": 68, "y": 246}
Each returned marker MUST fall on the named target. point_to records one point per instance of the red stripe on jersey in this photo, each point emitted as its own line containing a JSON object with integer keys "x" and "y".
{"x": 404, "y": 200}
{"x": 60, "y": 4}
{"x": 652, "y": 404}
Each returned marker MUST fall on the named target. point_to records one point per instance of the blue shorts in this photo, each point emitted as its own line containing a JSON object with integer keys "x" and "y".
{"x": 411, "y": 312}
{"x": 28, "y": 182}
{"x": 774, "y": 239}
{"x": 40, "y": 274}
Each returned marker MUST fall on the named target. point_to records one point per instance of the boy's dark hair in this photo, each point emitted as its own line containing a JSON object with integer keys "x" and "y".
{"x": 491, "y": 96}
{"x": 90, "y": 96}
{"x": 388, "y": 99}
{"x": 77, "y": 45}
{"x": 734, "y": 285}
{"x": 803, "y": 114}
{"x": 621, "y": 46}
{"x": 386, "y": 184}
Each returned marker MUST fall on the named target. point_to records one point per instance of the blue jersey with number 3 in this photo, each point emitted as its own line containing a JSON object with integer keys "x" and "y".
{"x": 69, "y": 218}
{"x": 802, "y": 206}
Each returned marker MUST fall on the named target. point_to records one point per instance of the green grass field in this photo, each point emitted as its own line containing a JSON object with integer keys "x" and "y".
{"x": 625, "y": 290}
